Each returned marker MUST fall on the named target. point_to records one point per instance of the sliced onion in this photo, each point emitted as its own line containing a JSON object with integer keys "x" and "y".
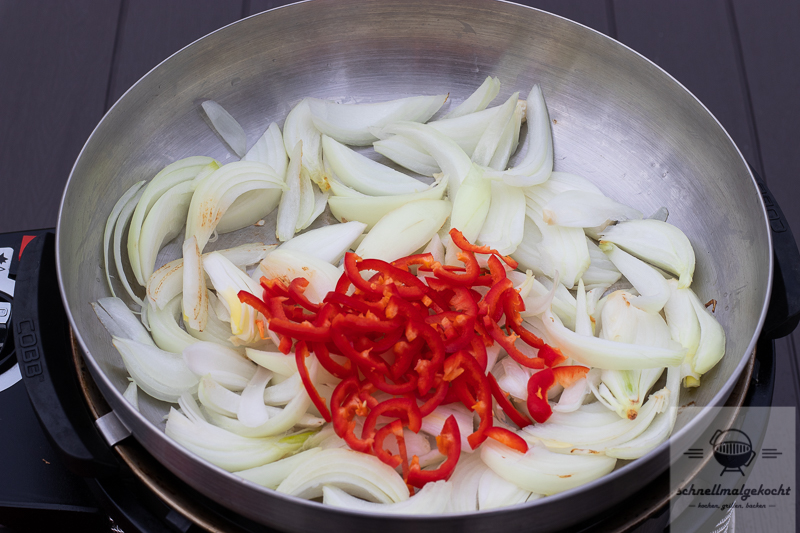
{"x": 505, "y": 221}
{"x": 272, "y": 474}
{"x": 299, "y": 127}
{"x": 252, "y": 410}
{"x": 173, "y": 174}
{"x": 584, "y": 209}
{"x": 289, "y": 207}
{"x": 684, "y": 328}
{"x": 365, "y": 175}
{"x": 542, "y": 471}
{"x": 602, "y": 353}
{"x": 370, "y": 209}
{"x": 492, "y": 135}
{"x": 712, "y": 338}
{"x": 217, "y": 398}
{"x": 224, "y": 125}
{"x": 328, "y": 243}
{"x": 162, "y": 375}
{"x": 215, "y": 193}
{"x": 403, "y": 231}
{"x": 227, "y": 367}
{"x": 228, "y": 280}
{"x": 494, "y": 492}
{"x": 283, "y": 392}
{"x": 195, "y": 294}
{"x": 120, "y": 321}
{"x": 537, "y": 163}
{"x": 132, "y": 394}
{"x": 132, "y": 194}
{"x": 434, "y": 422}
{"x": 270, "y": 150}
{"x": 407, "y": 154}
{"x": 350, "y": 123}
{"x": 648, "y": 282}
{"x": 601, "y": 272}
{"x": 478, "y": 100}
{"x": 216, "y": 330}
{"x": 659, "y": 243}
{"x": 466, "y": 480}
{"x": 359, "y": 474}
{"x": 165, "y": 330}
{"x": 509, "y": 139}
{"x": 471, "y": 204}
{"x": 431, "y": 499}
{"x": 277, "y": 362}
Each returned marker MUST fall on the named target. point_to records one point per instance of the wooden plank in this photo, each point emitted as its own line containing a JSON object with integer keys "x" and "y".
{"x": 56, "y": 58}
{"x": 152, "y": 30}
{"x": 694, "y": 42}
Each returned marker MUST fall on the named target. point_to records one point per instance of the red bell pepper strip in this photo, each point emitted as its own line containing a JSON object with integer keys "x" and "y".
{"x": 432, "y": 359}
{"x": 520, "y": 419}
{"x": 404, "y": 354}
{"x": 301, "y": 352}
{"x": 395, "y": 428}
{"x": 460, "y": 241}
{"x": 552, "y": 356}
{"x": 297, "y": 288}
{"x": 492, "y": 303}
{"x": 274, "y": 287}
{"x": 255, "y": 302}
{"x": 507, "y": 342}
{"x": 513, "y": 304}
{"x": 305, "y": 331}
{"x": 509, "y": 438}
{"x": 473, "y": 270}
{"x": 449, "y": 444}
{"x": 478, "y": 350}
{"x": 408, "y": 285}
{"x": 346, "y": 403}
{"x": 538, "y": 385}
{"x": 473, "y": 373}
{"x": 403, "y": 408}
{"x": 568, "y": 375}
{"x": 343, "y": 284}
{"x": 339, "y": 370}
{"x": 362, "y": 358}
{"x": 496, "y": 270}
{"x": 425, "y": 261}
{"x": 436, "y": 399}
{"x": 379, "y": 380}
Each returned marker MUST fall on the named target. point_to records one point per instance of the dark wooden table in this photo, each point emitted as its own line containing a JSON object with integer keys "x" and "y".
{"x": 65, "y": 63}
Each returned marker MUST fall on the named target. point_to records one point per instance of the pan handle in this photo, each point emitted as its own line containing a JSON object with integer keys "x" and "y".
{"x": 41, "y": 335}
{"x": 784, "y": 304}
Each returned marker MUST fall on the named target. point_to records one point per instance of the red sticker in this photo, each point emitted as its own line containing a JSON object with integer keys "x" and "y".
{"x": 25, "y": 240}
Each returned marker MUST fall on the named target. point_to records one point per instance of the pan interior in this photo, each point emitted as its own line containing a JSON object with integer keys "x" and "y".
{"x": 618, "y": 120}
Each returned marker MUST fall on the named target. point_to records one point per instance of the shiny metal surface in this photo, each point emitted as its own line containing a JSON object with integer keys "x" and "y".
{"x": 618, "y": 120}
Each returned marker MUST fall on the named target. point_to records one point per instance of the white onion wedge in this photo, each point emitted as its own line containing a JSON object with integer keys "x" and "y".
{"x": 328, "y": 243}
{"x": 431, "y": 499}
{"x": 509, "y": 139}
{"x": 365, "y": 175}
{"x": 252, "y": 410}
{"x": 544, "y": 472}
{"x": 466, "y": 479}
{"x": 227, "y": 367}
{"x": 271, "y": 475}
{"x": 493, "y": 134}
{"x": 224, "y": 125}
{"x": 471, "y": 204}
{"x": 602, "y": 353}
{"x": 659, "y": 243}
{"x": 299, "y": 127}
{"x": 361, "y": 475}
{"x": 162, "y": 375}
{"x": 164, "y": 328}
{"x": 228, "y": 280}
{"x": 537, "y": 163}
{"x": 407, "y": 154}
{"x": 478, "y": 100}
{"x": 404, "y": 230}
{"x": 289, "y": 207}
{"x": 350, "y": 123}
{"x": 119, "y": 229}
{"x": 217, "y": 398}
{"x": 495, "y": 492}
{"x": 648, "y": 282}
{"x": 277, "y": 362}
{"x": 505, "y": 221}
{"x": 195, "y": 294}
{"x": 684, "y": 328}
{"x": 120, "y": 321}
{"x": 711, "y": 347}
{"x": 370, "y": 209}
{"x": 129, "y": 195}
{"x": 601, "y": 272}
{"x": 132, "y": 394}
{"x": 583, "y": 209}
{"x": 171, "y": 175}
{"x": 215, "y": 193}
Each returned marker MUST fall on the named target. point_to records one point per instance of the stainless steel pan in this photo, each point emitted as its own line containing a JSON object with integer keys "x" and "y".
{"x": 618, "y": 120}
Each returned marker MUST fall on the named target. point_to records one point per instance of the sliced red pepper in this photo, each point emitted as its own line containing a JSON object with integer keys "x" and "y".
{"x": 460, "y": 241}
{"x": 304, "y": 331}
{"x": 449, "y": 444}
{"x": 274, "y": 287}
{"x": 255, "y": 302}
{"x": 425, "y": 261}
{"x": 297, "y": 289}
{"x": 369, "y": 323}
{"x": 492, "y": 303}
{"x": 568, "y": 375}
{"x": 403, "y": 408}
{"x": 395, "y": 428}
{"x": 496, "y": 270}
{"x": 513, "y": 305}
{"x": 478, "y": 350}
{"x": 432, "y": 359}
{"x": 507, "y": 342}
{"x": 343, "y": 284}
{"x": 538, "y": 385}
{"x": 362, "y": 358}
{"x": 301, "y": 352}
{"x": 472, "y": 372}
{"x": 520, "y": 419}
{"x": 381, "y": 384}
{"x": 471, "y": 273}
{"x": 552, "y": 356}
{"x": 356, "y": 304}
{"x": 408, "y": 285}
{"x": 346, "y": 403}
{"x": 509, "y": 438}
{"x": 339, "y": 370}
{"x": 436, "y": 399}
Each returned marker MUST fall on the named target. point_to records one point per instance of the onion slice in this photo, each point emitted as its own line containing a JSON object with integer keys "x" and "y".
{"x": 224, "y": 125}
{"x": 131, "y": 194}
{"x": 431, "y": 499}
{"x": 478, "y": 100}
